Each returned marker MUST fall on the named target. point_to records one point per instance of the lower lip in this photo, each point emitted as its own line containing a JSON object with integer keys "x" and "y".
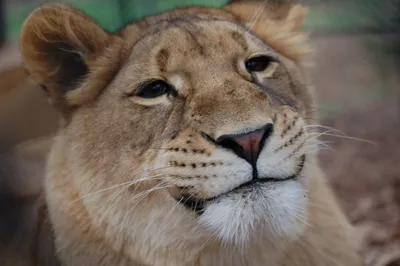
{"x": 197, "y": 205}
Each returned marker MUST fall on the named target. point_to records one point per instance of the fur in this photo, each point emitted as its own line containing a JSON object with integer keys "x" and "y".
{"x": 121, "y": 164}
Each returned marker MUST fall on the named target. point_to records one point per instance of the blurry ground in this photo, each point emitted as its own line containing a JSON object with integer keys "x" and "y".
{"x": 359, "y": 95}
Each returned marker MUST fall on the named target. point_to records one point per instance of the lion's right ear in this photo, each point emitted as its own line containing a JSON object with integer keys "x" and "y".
{"x": 278, "y": 23}
{"x": 68, "y": 54}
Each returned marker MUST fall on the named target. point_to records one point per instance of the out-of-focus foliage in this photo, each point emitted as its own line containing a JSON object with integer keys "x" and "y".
{"x": 380, "y": 17}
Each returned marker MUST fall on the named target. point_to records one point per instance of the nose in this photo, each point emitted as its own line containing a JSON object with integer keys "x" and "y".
{"x": 248, "y": 145}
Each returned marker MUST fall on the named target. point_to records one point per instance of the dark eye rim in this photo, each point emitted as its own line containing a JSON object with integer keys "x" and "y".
{"x": 169, "y": 89}
{"x": 267, "y": 61}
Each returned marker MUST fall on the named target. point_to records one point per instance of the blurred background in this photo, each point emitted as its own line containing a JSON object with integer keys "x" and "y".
{"x": 355, "y": 68}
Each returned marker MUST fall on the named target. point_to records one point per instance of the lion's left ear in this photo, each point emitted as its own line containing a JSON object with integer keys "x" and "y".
{"x": 278, "y": 24}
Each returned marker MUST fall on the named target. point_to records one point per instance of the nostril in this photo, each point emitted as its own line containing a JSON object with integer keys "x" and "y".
{"x": 230, "y": 144}
{"x": 248, "y": 145}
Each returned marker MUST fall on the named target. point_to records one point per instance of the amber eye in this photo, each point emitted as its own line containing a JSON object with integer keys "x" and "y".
{"x": 153, "y": 89}
{"x": 259, "y": 63}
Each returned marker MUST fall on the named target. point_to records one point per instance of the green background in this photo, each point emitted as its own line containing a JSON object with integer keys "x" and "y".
{"x": 112, "y": 14}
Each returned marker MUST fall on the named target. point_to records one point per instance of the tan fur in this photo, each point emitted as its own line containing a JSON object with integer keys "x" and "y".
{"x": 110, "y": 137}
{"x": 286, "y": 37}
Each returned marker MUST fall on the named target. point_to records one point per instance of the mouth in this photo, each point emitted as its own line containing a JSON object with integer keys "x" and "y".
{"x": 198, "y": 205}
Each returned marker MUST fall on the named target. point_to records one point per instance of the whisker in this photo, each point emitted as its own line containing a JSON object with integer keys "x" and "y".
{"x": 350, "y": 138}
{"x": 117, "y": 198}
{"x": 331, "y": 130}
{"x": 128, "y": 183}
{"x": 100, "y": 191}
{"x": 316, "y": 135}
{"x": 173, "y": 208}
{"x": 257, "y": 15}
{"x": 145, "y": 193}
{"x": 324, "y": 127}
{"x": 316, "y": 143}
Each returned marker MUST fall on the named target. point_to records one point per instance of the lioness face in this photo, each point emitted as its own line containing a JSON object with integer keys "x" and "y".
{"x": 202, "y": 129}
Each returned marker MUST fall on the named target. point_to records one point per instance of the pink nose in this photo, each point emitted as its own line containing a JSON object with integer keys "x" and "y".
{"x": 247, "y": 145}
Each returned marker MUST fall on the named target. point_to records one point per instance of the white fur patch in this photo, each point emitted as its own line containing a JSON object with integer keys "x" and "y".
{"x": 273, "y": 209}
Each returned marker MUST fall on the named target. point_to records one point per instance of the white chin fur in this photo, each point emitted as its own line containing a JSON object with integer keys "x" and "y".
{"x": 272, "y": 210}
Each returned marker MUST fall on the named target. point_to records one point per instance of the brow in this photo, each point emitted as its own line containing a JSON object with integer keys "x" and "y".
{"x": 239, "y": 39}
{"x": 162, "y": 59}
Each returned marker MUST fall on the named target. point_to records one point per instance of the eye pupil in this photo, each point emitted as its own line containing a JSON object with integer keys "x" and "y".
{"x": 258, "y": 64}
{"x": 154, "y": 89}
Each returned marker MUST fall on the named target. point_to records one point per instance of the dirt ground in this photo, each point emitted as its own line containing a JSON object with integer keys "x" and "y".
{"x": 358, "y": 95}
{"x": 366, "y": 178}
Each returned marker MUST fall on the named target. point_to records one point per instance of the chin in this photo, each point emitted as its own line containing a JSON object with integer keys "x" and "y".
{"x": 271, "y": 209}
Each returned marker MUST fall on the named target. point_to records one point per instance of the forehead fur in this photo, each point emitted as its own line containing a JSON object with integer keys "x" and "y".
{"x": 185, "y": 14}
{"x": 277, "y": 25}
{"x": 156, "y": 24}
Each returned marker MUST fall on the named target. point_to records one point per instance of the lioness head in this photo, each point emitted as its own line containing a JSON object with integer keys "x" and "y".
{"x": 186, "y": 126}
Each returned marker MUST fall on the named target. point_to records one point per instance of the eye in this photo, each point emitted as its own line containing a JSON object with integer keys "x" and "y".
{"x": 259, "y": 63}
{"x": 153, "y": 89}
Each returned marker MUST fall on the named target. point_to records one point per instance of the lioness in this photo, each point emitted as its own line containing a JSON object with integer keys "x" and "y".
{"x": 186, "y": 140}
